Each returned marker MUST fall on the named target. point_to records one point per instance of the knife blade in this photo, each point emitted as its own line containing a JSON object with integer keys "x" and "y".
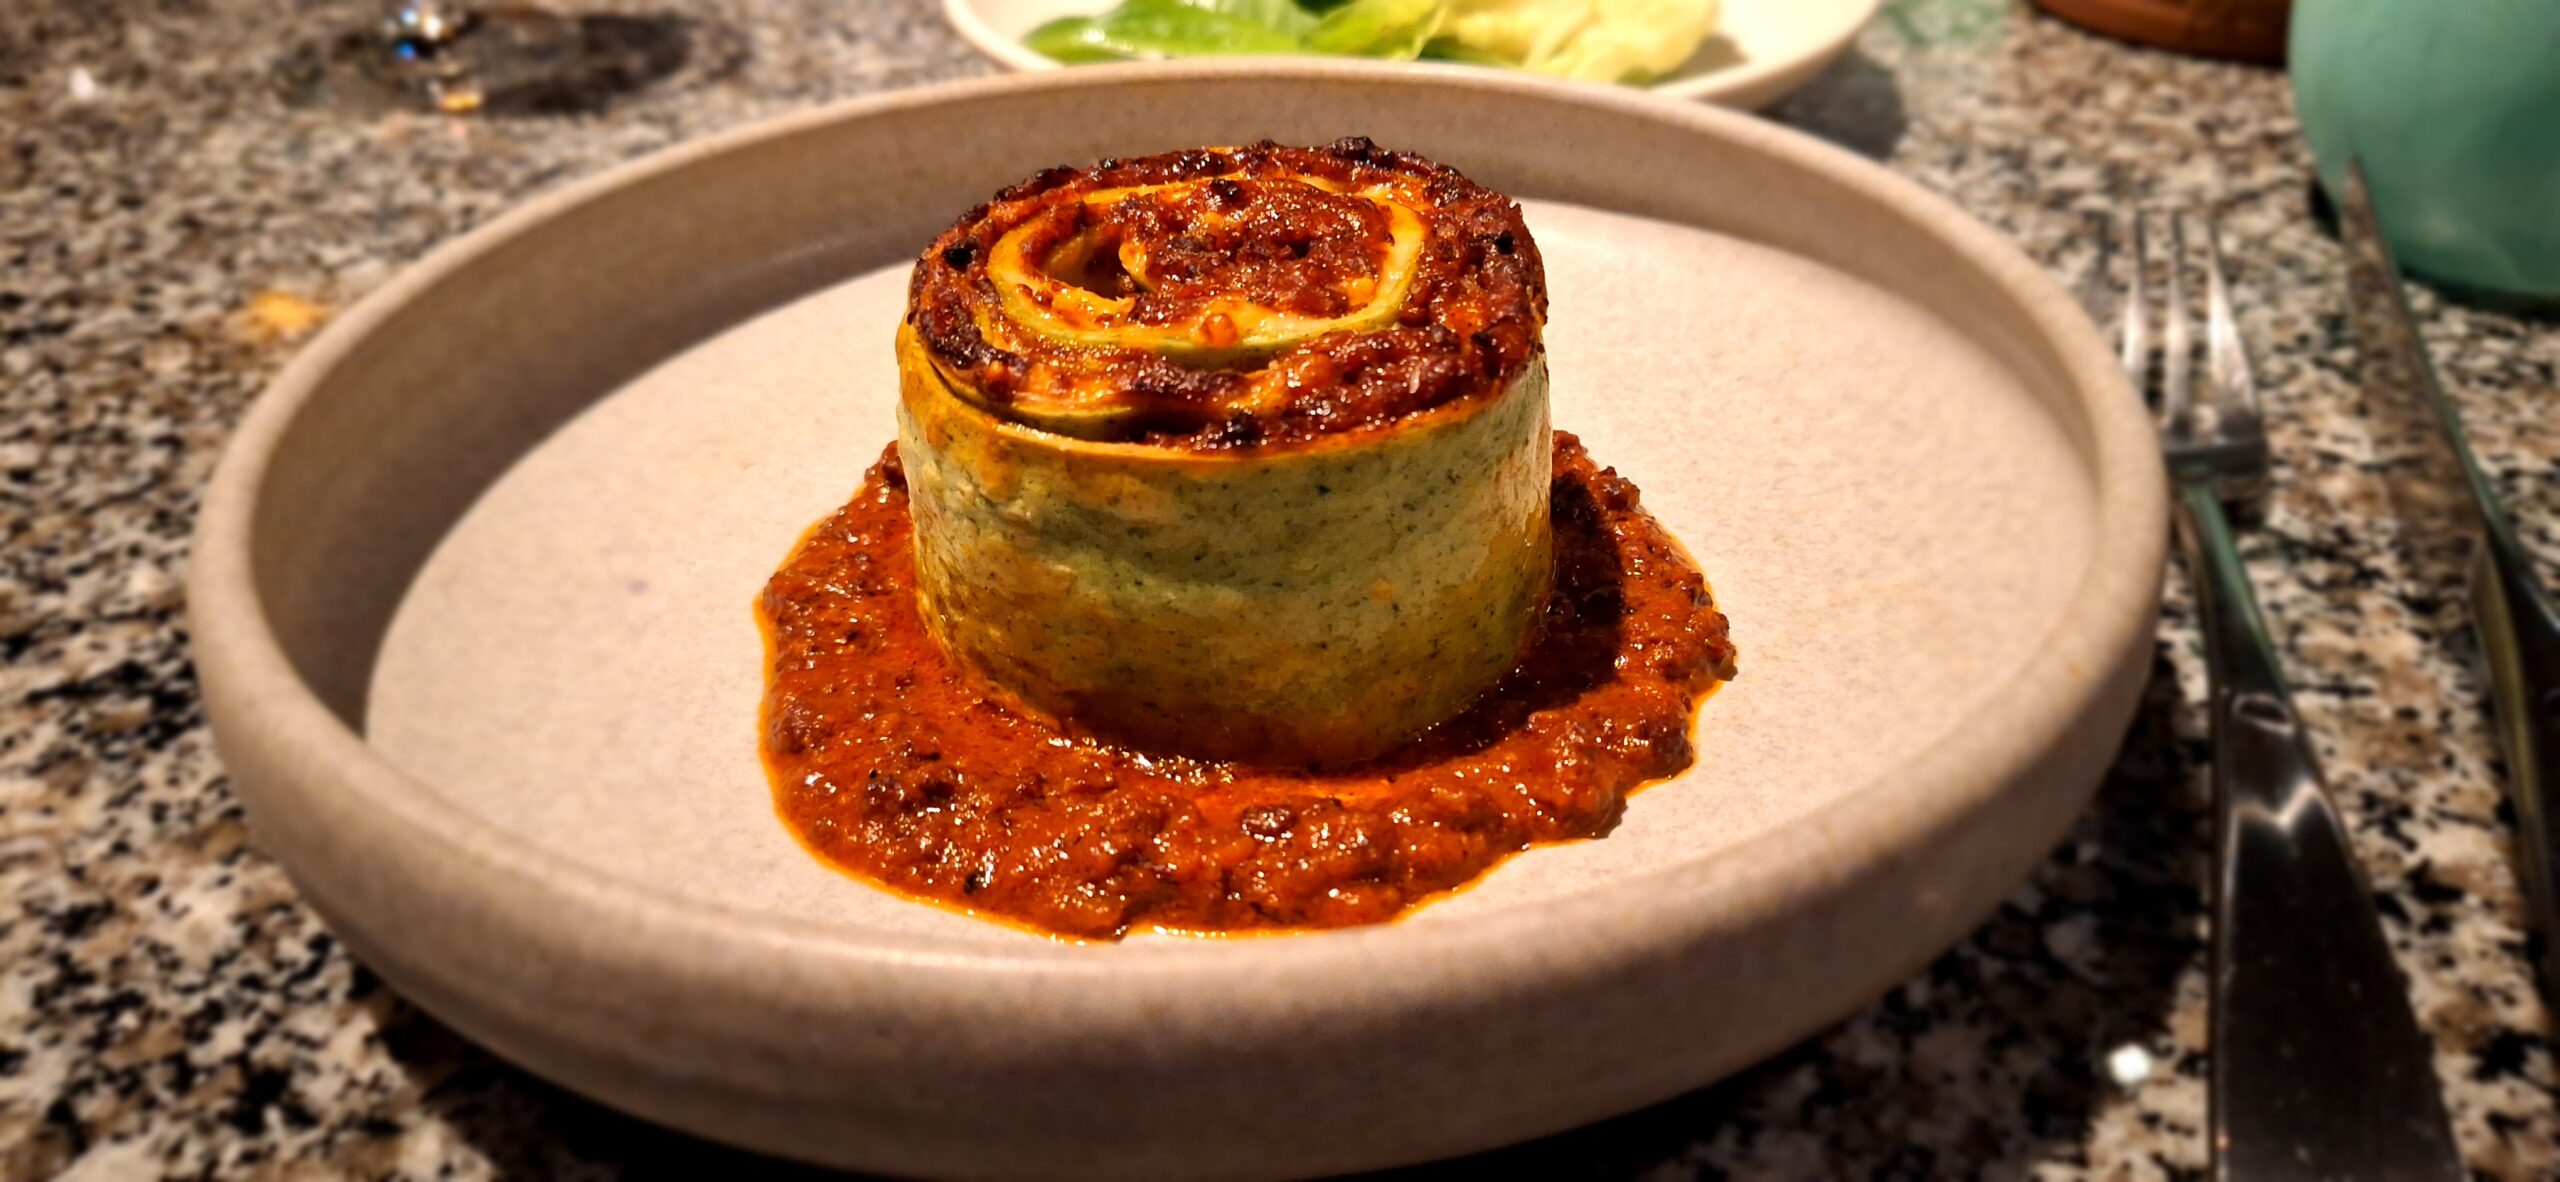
{"x": 2512, "y": 613}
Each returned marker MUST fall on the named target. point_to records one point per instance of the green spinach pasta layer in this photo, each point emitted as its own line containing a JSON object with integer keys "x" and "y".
{"x": 1239, "y": 453}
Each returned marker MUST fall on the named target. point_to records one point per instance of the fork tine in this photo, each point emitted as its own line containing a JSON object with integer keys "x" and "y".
{"x": 2177, "y": 384}
{"x": 2136, "y": 336}
{"x": 2097, "y": 284}
{"x": 2235, "y": 388}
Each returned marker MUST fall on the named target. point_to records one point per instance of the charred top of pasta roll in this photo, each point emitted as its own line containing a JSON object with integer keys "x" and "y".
{"x": 1232, "y": 297}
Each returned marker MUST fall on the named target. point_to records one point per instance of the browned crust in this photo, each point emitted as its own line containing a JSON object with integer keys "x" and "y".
{"x": 1471, "y": 322}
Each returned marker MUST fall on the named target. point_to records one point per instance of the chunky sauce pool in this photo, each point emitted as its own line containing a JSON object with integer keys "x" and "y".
{"x": 892, "y": 761}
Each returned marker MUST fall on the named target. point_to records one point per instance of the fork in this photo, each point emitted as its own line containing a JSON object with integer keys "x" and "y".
{"x": 2319, "y": 1068}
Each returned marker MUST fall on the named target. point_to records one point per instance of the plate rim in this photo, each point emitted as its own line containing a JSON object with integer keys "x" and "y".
{"x": 234, "y": 637}
{"x": 1750, "y": 85}
{"x": 278, "y": 729}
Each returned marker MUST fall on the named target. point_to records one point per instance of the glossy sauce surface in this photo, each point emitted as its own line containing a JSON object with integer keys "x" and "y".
{"x": 897, "y": 764}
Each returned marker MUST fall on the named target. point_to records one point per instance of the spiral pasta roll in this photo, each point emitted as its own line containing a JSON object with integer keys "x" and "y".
{"x": 1233, "y": 452}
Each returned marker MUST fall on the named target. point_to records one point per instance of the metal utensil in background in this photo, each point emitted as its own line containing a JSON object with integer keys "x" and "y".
{"x": 2319, "y": 1068}
{"x": 2513, "y": 613}
{"x": 504, "y": 57}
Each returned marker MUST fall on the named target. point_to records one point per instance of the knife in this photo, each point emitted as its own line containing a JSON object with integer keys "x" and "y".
{"x": 2511, "y": 611}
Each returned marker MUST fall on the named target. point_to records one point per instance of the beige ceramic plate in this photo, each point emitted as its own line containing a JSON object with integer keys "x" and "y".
{"x": 471, "y": 604}
{"x": 1761, "y": 50}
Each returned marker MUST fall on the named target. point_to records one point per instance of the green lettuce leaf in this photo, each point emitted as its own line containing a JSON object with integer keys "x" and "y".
{"x": 1594, "y": 40}
{"x": 1286, "y": 16}
{"x": 1142, "y": 29}
{"x": 1395, "y": 29}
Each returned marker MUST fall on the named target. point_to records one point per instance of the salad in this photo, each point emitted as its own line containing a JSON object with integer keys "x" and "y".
{"x": 1595, "y": 40}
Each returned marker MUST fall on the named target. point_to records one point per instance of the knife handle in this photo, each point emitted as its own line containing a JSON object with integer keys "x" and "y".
{"x": 2319, "y": 1068}
{"x": 2520, "y": 640}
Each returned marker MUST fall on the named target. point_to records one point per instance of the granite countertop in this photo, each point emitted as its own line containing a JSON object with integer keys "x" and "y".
{"x": 169, "y": 1008}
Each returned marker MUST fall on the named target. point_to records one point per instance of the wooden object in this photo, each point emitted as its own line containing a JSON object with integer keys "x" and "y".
{"x": 2243, "y": 30}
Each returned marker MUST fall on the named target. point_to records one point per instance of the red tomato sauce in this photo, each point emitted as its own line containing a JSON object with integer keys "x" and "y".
{"x": 897, "y": 764}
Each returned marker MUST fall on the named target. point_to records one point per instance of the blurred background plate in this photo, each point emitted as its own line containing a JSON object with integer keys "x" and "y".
{"x": 1762, "y": 49}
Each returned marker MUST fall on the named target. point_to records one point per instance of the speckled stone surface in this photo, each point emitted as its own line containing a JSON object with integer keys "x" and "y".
{"x": 168, "y": 1008}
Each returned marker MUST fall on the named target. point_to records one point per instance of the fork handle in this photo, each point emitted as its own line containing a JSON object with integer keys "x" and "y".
{"x": 2319, "y": 1069}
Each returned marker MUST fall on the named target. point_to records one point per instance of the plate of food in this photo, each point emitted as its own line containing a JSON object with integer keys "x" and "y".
{"x": 1736, "y": 53}
{"x": 1222, "y": 620}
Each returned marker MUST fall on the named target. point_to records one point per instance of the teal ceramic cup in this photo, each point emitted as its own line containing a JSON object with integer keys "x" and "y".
{"x": 2454, "y": 106}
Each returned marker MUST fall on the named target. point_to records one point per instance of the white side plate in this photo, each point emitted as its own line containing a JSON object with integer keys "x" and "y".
{"x": 1762, "y": 49}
